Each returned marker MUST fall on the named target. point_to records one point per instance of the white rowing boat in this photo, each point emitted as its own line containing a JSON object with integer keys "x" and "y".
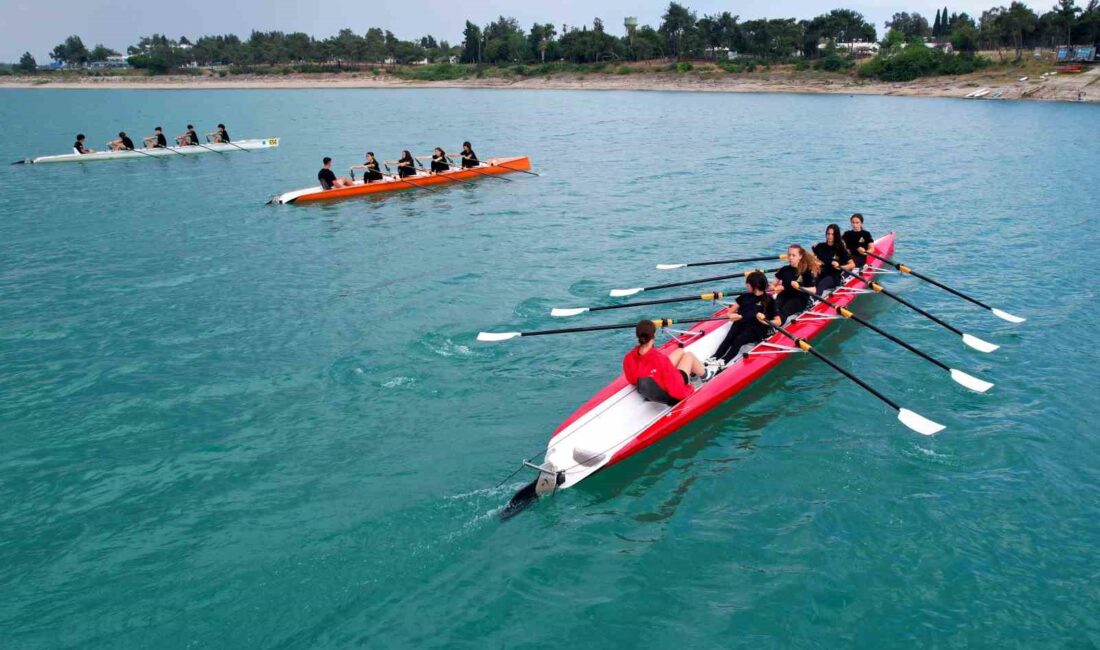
{"x": 172, "y": 152}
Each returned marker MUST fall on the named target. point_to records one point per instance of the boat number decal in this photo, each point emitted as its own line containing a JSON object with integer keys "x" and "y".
{"x": 273, "y": 142}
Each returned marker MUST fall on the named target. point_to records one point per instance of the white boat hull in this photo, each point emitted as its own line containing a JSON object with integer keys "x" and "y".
{"x": 172, "y": 152}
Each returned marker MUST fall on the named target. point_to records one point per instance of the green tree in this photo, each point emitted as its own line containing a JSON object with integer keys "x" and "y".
{"x": 910, "y": 24}
{"x": 540, "y": 40}
{"x": 71, "y": 52}
{"x": 1066, "y": 11}
{"x": 964, "y": 38}
{"x": 1018, "y": 21}
{"x": 679, "y": 29}
{"x": 936, "y": 28}
{"x": 374, "y": 45}
{"x": 471, "y": 44}
{"x": 27, "y": 63}
{"x": 100, "y": 53}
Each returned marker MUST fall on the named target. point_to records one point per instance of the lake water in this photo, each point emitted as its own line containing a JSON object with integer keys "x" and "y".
{"x": 232, "y": 425}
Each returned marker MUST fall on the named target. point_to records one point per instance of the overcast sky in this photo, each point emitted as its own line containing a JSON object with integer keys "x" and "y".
{"x": 37, "y": 25}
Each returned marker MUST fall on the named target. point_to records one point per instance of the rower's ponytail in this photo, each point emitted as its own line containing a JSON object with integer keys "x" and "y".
{"x": 757, "y": 281}
{"x": 645, "y": 331}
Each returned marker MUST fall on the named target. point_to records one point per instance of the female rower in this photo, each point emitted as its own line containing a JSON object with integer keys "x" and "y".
{"x": 123, "y": 143}
{"x": 832, "y": 249}
{"x": 78, "y": 146}
{"x": 372, "y": 173}
{"x": 439, "y": 161}
{"x": 469, "y": 158}
{"x": 802, "y": 267}
{"x": 746, "y": 328}
{"x": 406, "y": 166}
{"x": 328, "y": 179}
{"x": 857, "y": 238}
{"x": 658, "y": 377}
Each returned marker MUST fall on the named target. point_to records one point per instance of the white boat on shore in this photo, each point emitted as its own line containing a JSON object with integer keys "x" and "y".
{"x": 977, "y": 94}
{"x": 170, "y": 152}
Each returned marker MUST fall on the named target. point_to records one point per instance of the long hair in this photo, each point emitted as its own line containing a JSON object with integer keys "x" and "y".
{"x": 645, "y": 330}
{"x": 840, "y": 249}
{"x": 808, "y": 261}
{"x": 757, "y": 281}
{"x": 440, "y": 151}
{"x": 405, "y": 155}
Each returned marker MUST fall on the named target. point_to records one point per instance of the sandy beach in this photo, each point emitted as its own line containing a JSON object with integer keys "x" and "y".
{"x": 1007, "y": 84}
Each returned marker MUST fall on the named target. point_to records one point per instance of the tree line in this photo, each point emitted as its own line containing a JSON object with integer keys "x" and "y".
{"x": 681, "y": 35}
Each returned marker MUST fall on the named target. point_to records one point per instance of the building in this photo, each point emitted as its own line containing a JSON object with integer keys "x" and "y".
{"x": 859, "y": 50}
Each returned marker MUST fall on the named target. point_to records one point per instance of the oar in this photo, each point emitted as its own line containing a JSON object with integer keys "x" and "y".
{"x": 666, "y": 267}
{"x": 20, "y": 162}
{"x": 620, "y": 293}
{"x": 222, "y": 153}
{"x": 143, "y": 153}
{"x": 905, "y": 269}
{"x": 397, "y": 176}
{"x": 522, "y": 171}
{"x": 969, "y": 339}
{"x": 233, "y": 145}
{"x": 471, "y": 169}
{"x": 456, "y": 180}
{"x": 493, "y": 337}
{"x": 170, "y": 149}
{"x": 960, "y": 377}
{"x": 573, "y": 311}
{"x": 914, "y": 421}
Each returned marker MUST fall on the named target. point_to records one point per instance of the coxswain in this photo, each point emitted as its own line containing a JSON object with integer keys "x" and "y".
{"x": 857, "y": 238}
{"x": 802, "y": 267}
{"x": 123, "y": 143}
{"x": 469, "y": 158}
{"x": 406, "y": 166}
{"x": 439, "y": 161}
{"x": 746, "y": 328}
{"x": 372, "y": 172}
{"x": 157, "y": 140}
{"x": 658, "y": 377}
{"x": 828, "y": 251}
{"x": 221, "y": 136}
{"x": 328, "y": 179}
{"x": 78, "y": 146}
{"x": 190, "y": 138}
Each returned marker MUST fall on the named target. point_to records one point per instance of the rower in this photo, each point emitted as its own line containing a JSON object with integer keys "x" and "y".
{"x": 190, "y": 138}
{"x": 660, "y": 378}
{"x": 328, "y": 179}
{"x": 469, "y": 158}
{"x": 156, "y": 141}
{"x": 221, "y": 136}
{"x": 406, "y": 166}
{"x": 78, "y": 146}
{"x": 746, "y": 329}
{"x": 439, "y": 161}
{"x": 123, "y": 143}
{"x": 857, "y": 238}
{"x": 828, "y": 251}
{"x": 372, "y": 173}
{"x": 802, "y": 267}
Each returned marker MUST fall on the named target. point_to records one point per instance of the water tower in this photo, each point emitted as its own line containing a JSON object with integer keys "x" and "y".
{"x": 631, "y": 24}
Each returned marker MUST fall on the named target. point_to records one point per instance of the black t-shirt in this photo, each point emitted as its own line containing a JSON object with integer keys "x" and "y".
{"x": 224, "y": 134}
{"x": 193, "y": 137}
{"x": 854, "y": 241}
{"x": 748, "y": 305}
{"x": 127, "y": 142}
{"x": 827, "y": 254}
{"x": 469, "y": 159}
{"x": 327, "y": 178}
{"x": 79, "y": 146}
{"x": 786, "y": 275}
{"x": 161, "y": 140}
{"x": 439, "y": 164}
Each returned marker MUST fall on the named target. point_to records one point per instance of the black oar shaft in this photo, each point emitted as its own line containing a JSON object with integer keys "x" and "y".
{"x": 804, "y": 345}
{"x": 880, "y": 289}
{"x": 738, "y": 261}
{"x": 715, "y": 295}
{"x": 715, "y": 278}
{"x": 905, "y": 269}
{"x": 419, "y": 187}
{"x": 659, "y": 322}
{"x": 524, "y": 171}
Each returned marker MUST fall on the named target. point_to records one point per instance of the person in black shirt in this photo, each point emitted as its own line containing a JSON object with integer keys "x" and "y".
{"x": 189, "y": 138}
{"x": 328, "y": 179}
{"x": 857, "y": 238}
{"x": 469, "y": 158}
{"x": 746, "y": 328}
{"x": 78, "y": 146}
{"x": 123, "y": 143}
{"x": 406, "y": 166}
{"x": 439, "y": 161}
{"x": 372, "y": 173}
{"x": 221, "y": 136}
{"x": 828, "y": 251}
{"x": 157, "y": 141}
{"x": 802, "y": 267}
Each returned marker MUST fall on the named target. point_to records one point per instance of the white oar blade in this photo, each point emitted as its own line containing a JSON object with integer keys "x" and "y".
{"x": 978, "y": 344}
{"x": 669, "y": 267}
{"x": 620, "y": 293}
{"x": 919, "y": 423}
{"x": 491, "y": 337}
{"x": 970, "y": 381}
{"x": 1007, "y": 316}
{"x": 562, "y": 312}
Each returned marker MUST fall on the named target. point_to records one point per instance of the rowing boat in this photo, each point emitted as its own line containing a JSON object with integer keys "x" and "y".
{"x": 491, "y": 166}
{"x": 617, "y": 422}
{"x": 172, "y": 152}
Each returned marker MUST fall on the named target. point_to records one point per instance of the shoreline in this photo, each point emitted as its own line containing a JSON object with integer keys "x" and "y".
{"x": 1054, "y": 88}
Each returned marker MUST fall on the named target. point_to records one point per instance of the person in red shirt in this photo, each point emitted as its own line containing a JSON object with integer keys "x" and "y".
{"x": 672, "y": 373}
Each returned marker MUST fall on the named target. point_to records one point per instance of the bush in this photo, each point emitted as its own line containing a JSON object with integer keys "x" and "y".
{"x": 916, "y": 60}
{"x": 833, "y": 63}
{"x": 221, "y": 73}
{"x": 731, "y": 67}
{"x": 434, "y": 72}
{"x": 684, "y": 66}
{"x": 623, "y": 70}
{"x": 801, "y": 65}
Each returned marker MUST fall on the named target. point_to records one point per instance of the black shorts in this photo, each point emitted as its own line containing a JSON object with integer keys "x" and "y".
{"x": 687, "y": 380}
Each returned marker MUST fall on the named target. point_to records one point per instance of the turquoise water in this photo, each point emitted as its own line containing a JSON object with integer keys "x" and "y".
{"x": 231, "y": 425}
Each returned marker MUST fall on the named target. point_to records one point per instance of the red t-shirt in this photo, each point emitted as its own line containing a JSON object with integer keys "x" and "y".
{"x": 656, "y": 365}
